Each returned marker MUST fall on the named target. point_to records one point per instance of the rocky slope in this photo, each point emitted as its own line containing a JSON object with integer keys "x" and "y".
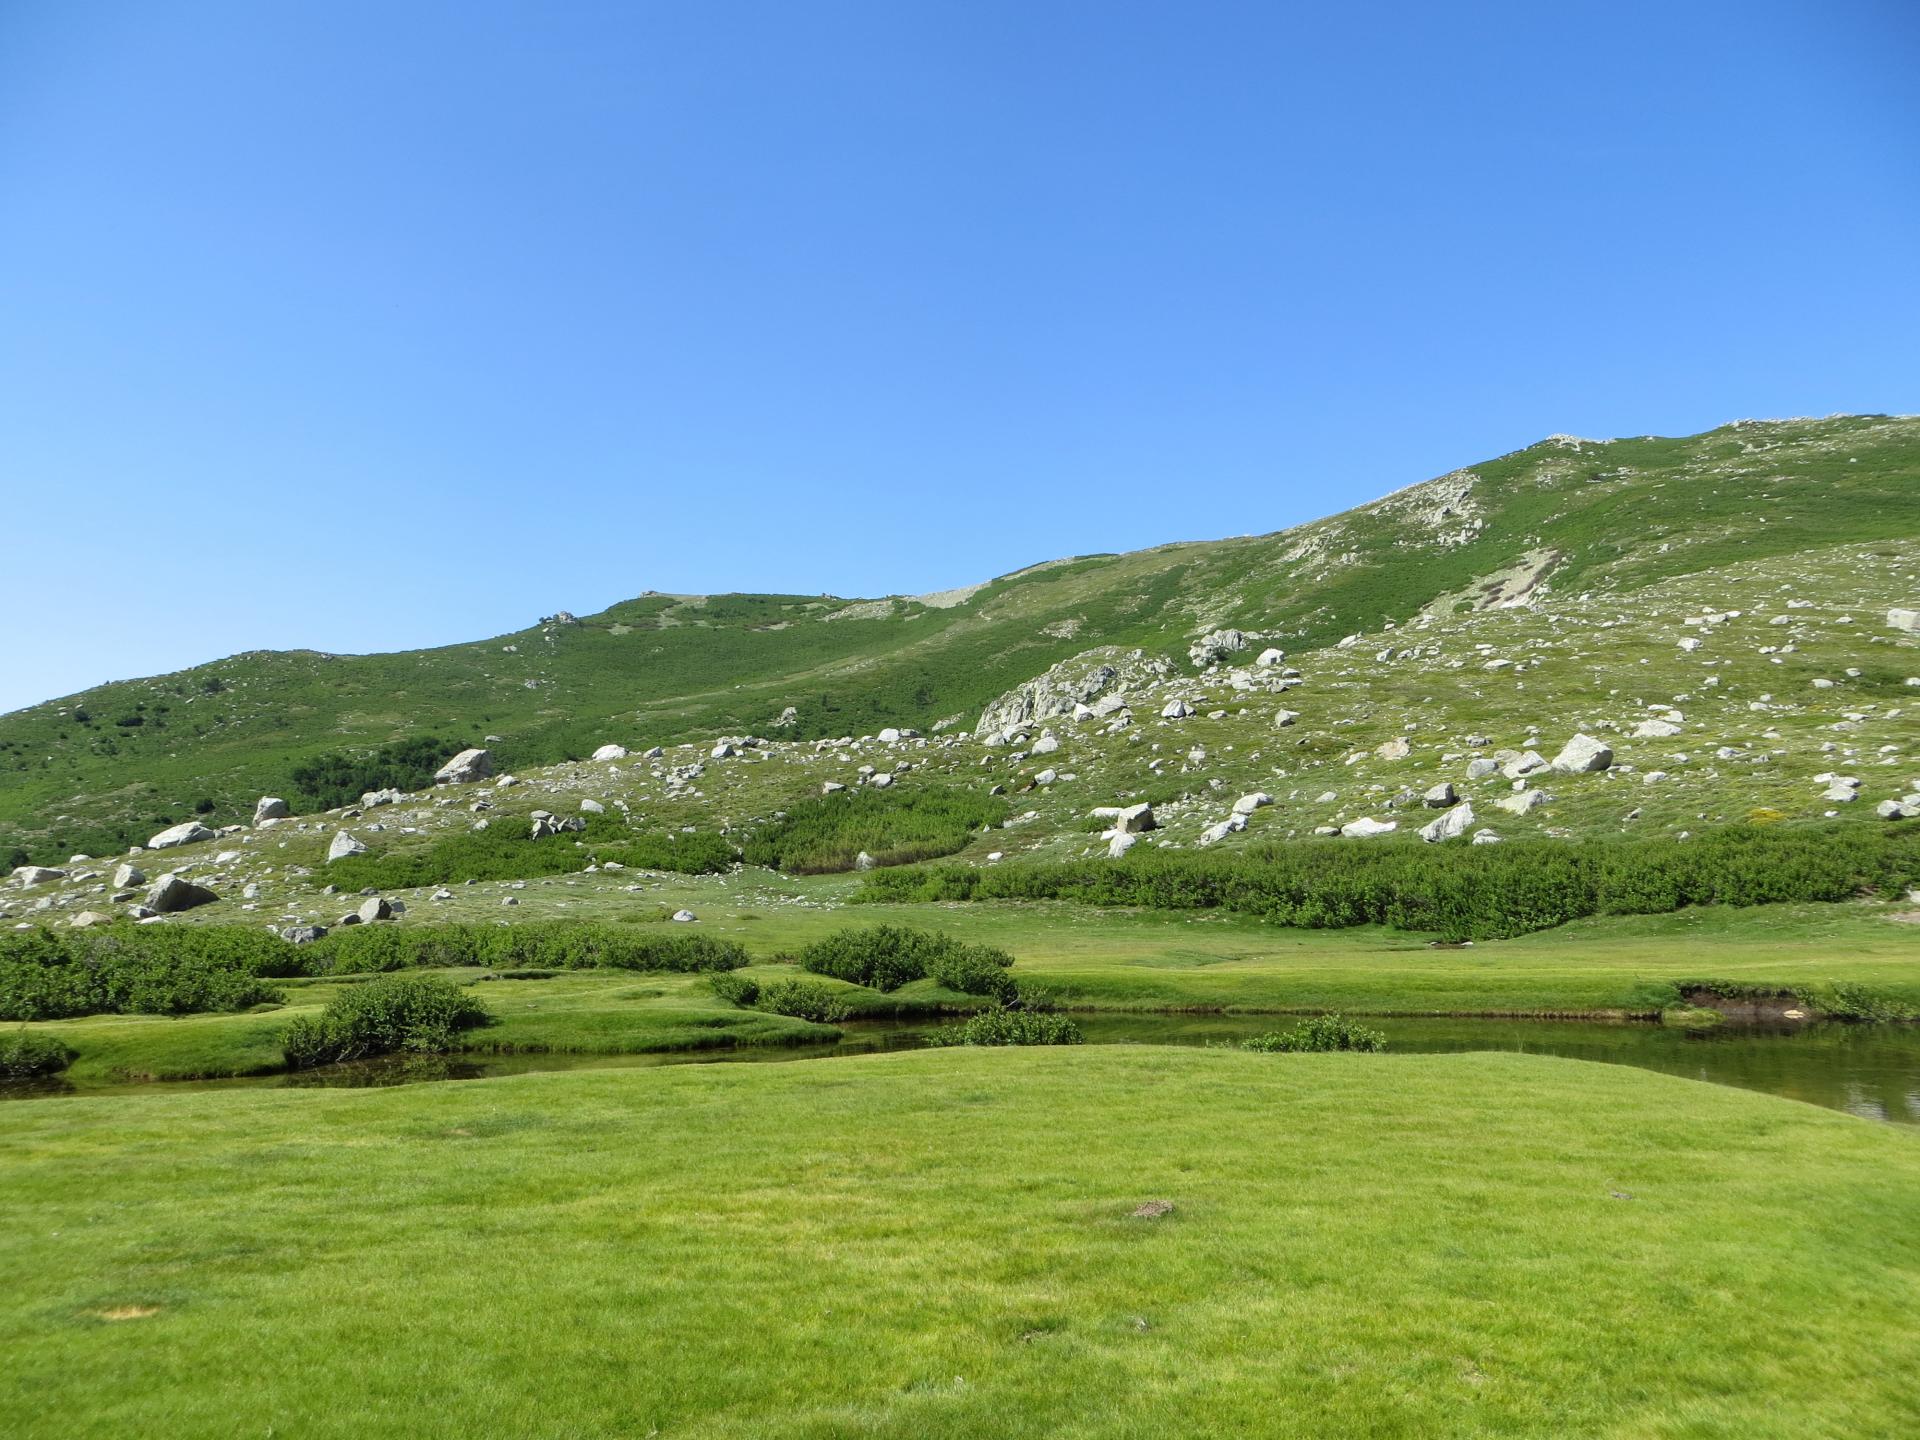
{"x": 1574, "y": 587}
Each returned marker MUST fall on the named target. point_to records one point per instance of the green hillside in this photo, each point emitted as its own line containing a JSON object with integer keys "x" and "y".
{"x": 1573, "y": 521}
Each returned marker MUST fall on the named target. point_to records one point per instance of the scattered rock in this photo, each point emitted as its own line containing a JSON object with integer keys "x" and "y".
{"x": 171, "y": 894}
{"x": 189, "y": 832}
{"x": 270, "y": 807}
{"x": 1367, "y": 826}
{"x": 1582, "y": 755}
{"x": 343, "y": 845}
{"x": 465, "y": 768}
{"x": 1449, "y": 826}
{"x": 1132, "y": 819}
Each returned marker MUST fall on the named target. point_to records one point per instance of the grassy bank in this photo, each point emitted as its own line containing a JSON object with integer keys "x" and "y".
{"x": 943, "y": 1244}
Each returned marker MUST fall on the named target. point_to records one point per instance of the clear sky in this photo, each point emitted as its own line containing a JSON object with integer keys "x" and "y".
{"x": 374, "y": 325}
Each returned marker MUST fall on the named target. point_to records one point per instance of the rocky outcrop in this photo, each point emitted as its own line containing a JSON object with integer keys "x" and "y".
{"x": 1089, "y": 676}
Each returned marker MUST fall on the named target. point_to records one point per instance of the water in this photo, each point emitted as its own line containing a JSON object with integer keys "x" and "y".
{"x": 1870, "y": 1071}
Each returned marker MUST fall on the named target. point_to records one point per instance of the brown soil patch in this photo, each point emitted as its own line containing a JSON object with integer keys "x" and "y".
{"x": 1153, "y": 1210}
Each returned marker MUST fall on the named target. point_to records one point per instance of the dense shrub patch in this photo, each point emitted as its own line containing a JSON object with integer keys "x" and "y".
{"x": 28, "y": 1055}
{"x": 1009, "y": 1027}
{"x": 507, "y": 851}
{"x": 554, "y": 945}
{"x": 394, "y": 1012}
{"x": 885, "y": 957}
{"x": 892, "y": 827}
{"x": 1318, "y": 1034}
{"x": 343, "y": 776}
{"x": 802, "y": 999}
{"x": 1462, "y": 892}
{"x": 151, "y": 970}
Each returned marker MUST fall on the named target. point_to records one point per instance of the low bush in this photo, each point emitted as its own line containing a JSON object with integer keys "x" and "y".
{"x": 741, "y": 990}
{"x": 1319, "y": 1034}
{"x": 829, "y": 833}
{"x": 395, "y": 1012}
{"x": 802, "y": 999}
{"x": 1009, "y": 1027}
{"x": 506, "y": 850}
{"x": 1461, "y": 892}
{"x": 885, "y": 957}
{"x": 29, "y": 1055}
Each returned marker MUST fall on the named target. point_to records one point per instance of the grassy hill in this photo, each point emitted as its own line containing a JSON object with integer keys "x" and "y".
{"x": 1564, "y": 525}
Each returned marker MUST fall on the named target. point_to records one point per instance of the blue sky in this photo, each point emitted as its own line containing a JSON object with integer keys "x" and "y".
{"x": 370, "y": 325}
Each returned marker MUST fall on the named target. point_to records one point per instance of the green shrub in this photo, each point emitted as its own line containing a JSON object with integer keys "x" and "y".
{"x": 395, "y": 1012}
{"x": 28, "y": 1055}
{"x": 829, "y": 833}
{"x": 1009, "y": 1027}
{"x": 885, "y": 957}
{"x": 1320, "y": 1033}
{"x": 1461, "y": 892}
{"x": 802, "y": 999}
{"x": 144, "y": 970}
{"x": 1849, "y": 1000}
{"x": 506, "y": 850}
{"x": 738, "y": 989}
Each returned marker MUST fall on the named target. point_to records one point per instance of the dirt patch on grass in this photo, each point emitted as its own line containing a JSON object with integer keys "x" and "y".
{"x": 127, "y": 1312}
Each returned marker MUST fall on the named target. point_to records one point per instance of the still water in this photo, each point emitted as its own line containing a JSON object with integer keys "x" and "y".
{"x": 1868, "y": 1070}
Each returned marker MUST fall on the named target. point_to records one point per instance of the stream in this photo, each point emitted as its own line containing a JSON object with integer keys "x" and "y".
{"x": 1872, "y": 1071}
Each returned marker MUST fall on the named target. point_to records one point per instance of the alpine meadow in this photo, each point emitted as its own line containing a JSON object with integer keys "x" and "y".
{"x": 854, "y": 722}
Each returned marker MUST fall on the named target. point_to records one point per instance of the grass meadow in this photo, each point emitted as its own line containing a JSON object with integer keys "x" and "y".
{"x": 945, "y": 1243}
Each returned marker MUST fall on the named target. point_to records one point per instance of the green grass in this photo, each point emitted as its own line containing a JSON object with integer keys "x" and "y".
{"x": 829, "y": 833}
{"x": 943, "y": 1244}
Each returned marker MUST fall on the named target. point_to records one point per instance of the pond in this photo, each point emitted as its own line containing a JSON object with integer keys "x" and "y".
{"x": 1871, "y": 1071}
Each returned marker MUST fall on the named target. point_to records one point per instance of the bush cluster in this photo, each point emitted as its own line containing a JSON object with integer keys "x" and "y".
{"x": 29, "y": 1055}
{"x": 508, "y": 851}
{"x": 1461, "y": 892}
{"x": 885, "y": 957}
{"x": 395, "y": 1012}
{"x": 829, "y": 833}
{"x": 802, "y": 999}
{"x": 1009, "y": 1027}
{"x": 1319, "y": 1034}
{"x": 149, "y": 970}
